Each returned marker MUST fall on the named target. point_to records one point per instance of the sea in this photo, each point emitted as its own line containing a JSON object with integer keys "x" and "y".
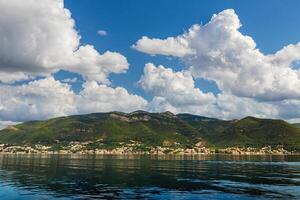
{"x": 226, "y": 177}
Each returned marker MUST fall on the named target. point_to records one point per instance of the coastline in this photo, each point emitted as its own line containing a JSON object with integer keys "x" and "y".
{"x": 126, "y": 154}
{"x": 80, "y": 149}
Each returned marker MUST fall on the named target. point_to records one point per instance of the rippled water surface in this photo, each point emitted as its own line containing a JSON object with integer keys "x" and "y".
{"x": 149, "y": 177}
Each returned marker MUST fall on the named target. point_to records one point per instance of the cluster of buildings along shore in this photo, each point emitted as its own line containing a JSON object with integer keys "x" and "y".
{"x": 81, "y": 148}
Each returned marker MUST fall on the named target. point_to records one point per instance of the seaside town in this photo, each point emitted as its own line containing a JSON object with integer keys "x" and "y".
{"x": 138, "y": 148}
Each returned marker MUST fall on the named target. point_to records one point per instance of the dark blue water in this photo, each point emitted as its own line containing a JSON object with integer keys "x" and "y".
{"x": 149, "y": 177}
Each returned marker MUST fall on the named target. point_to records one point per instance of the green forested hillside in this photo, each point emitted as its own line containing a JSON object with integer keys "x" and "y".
{"x": 257, "y": 132}
{"x": 115, "y": 127}
{"x": 154, "y": 129}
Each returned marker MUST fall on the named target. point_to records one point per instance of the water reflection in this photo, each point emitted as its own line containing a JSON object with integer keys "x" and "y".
{"x": 149, "y": 177}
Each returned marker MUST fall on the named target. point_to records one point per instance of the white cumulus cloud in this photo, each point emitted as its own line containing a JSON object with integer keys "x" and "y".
{"x": 101, "y": 98}
{"x": 39, "y": 99}
{"x": 168, "y": 47}
{"x": 177, "y": 87}
{"x": 176, "y": 92}
{"x": 39, "y": 38}
{"x": 46, "y": 98}
{"x": 218, "y": 51}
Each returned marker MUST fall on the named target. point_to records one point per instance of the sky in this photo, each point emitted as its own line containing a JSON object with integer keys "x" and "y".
{"x": 224, "y": 59}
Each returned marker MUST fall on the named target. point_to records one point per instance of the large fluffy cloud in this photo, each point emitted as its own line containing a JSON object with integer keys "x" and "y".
{"x": 39, "y": 38}
{"x": 177, "y": 87}
{"x": 39, "y": 99}
{"x": 218, "y": 51}
{"x": 229, "y": 106}
{"x": 45, "y": 98}
{"x": 101, "y": 98}
{"x": 176, "y": 92}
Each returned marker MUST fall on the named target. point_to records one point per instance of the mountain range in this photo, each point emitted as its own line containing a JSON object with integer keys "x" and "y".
{"x": 155, "y": 129}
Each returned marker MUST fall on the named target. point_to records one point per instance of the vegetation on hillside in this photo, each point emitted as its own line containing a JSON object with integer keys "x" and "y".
{"x": 154, "y": 129}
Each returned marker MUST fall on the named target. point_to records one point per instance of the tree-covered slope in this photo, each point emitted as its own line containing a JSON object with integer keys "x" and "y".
{"x": 115, "y": 127}
{"x": 208, "y": 128}
{"x": 155, "y": 129}
{"x": 257, "y": 132}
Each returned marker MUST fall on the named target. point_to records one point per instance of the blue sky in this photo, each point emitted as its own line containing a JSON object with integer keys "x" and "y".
{"x": 155, "y": 55}
{"x": 271, "y": 23}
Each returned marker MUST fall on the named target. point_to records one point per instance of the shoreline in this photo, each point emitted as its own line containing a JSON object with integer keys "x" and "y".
{"x": 145, "y": 153}
{"x": 137, "y": 149}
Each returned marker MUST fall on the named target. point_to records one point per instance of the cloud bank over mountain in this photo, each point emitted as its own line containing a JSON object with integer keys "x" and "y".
{"x": 219, "y": 52}
{"x": 39, "y": 38}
